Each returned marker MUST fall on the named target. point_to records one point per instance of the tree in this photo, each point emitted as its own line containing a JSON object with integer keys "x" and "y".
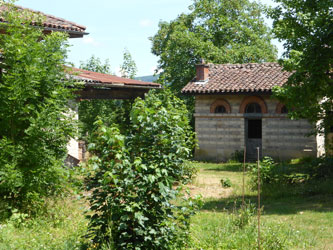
{"x": 35, "y": 125}
{"x": 135, "y": 175}
{"x": 219, "y": 31}
{"x": 128, "y": 69}
{"x": 109, "y": 111}
{"x": 306, "y": 27}
{"x": 95, "y": 64}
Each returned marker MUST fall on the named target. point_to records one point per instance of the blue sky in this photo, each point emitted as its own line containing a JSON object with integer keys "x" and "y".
{"x": 114, "y": 25}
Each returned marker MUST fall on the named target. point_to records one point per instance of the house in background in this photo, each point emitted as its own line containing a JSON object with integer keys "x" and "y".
{"x": 234, "y": 111}
{"x": 96, "y": 85}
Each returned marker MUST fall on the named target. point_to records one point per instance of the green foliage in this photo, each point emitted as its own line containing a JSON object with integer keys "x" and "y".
{"x": 244, "y": 215}
{"x": 128, "y": 69}
{"x": 218, "y": 31}
{"x": 300, "y": 178}
{"x": 306, "y": 29}
{"x": 135, "y": 175}
{"x": 267, "y": 174}
{"x": 225, "y": 182}
{"x": 109, "y": 111}
{"x": 227, "y": 231}
{"x": 237, "y": 156}
{"x": 35, "y": 120}
{"x": 61, "y": 227}
{"x": 95, "y": 64}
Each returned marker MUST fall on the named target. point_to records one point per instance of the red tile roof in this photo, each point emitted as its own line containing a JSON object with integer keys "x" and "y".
{"x": 97, "y": 79}
{"x": 234, "y": 78}
{"x": 52, "y": 22}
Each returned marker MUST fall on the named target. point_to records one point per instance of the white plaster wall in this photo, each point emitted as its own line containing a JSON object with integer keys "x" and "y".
{"x": 73, "y": 145}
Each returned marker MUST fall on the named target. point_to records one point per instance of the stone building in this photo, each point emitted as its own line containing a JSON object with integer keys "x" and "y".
{"x": 235, "y": 111}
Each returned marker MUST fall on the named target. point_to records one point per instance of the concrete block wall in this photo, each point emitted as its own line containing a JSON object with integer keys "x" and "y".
{"x": 283, "y": 138}
{"x": 220, "y": 135}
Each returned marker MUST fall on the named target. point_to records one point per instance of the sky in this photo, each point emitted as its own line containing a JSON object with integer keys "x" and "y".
{"x": 114, "y": 25}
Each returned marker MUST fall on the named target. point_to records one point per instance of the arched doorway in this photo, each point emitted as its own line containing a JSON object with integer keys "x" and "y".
{"x": 253, "y": 107}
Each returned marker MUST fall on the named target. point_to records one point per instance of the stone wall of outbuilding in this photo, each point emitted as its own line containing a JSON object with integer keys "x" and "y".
{"x": 221, "y": 135}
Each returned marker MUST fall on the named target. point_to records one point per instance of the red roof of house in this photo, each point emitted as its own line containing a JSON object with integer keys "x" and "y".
{"x": 236, "y": 78}
{"x": 52, "y": 22}
{"x": 108, "y": 80}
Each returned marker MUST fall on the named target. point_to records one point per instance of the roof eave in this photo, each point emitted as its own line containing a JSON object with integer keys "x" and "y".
{"x": 110, "y": 85}
{"x": 241, "y": 92}
{"x": 72, "y": 33}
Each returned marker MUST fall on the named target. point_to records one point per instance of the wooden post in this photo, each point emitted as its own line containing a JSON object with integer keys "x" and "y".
{"x": 258, "y": 165}
{"x": 243, "y": 190}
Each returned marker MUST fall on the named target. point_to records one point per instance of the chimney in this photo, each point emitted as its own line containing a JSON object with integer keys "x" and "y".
{"x": 202, "y": 71}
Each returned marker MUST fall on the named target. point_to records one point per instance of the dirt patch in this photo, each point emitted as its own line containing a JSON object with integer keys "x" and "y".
{"x": 209, "y": 187}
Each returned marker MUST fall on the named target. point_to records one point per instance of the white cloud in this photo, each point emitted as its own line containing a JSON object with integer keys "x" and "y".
{"x": 91, "y": 41}
{"x": 145, "y": 23}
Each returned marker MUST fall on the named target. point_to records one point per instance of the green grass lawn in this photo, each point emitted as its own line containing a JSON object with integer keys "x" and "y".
{"x": 288, "y": 222}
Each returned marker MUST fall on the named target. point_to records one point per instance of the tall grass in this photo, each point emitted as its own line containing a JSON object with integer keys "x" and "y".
{"x": 295, "y": 215}
{"x": 62, "y": 227}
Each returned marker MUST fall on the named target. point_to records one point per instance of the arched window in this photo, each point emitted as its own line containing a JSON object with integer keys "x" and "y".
{"x": 284, "y": 110}
{"x": 220, "y": 106}
{"x": 253, "y": 108}
{"x": 220, "y": 109}
{"x": 253, "y": 104}
{"x": 281, "y": 108}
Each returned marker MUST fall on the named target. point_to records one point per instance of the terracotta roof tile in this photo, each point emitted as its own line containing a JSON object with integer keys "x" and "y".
{"x": 52, "y": 21}
{"x": 111, "y": 80}
{"x": 231, "y": 78}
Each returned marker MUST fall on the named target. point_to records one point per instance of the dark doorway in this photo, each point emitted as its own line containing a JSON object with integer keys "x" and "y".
{"x": 253, "y": 138}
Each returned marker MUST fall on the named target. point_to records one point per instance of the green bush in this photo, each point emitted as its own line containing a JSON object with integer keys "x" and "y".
{"x": 35, "y": 124}
{"x": 225, "y": 182}
{"x": 237, "y": 156}
{"x": 267, "y": 173}
{"x": 135, "y": 175}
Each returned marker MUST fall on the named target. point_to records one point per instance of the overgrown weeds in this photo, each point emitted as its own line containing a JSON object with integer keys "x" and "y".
{"x": 299, "y": 177}
{"x": 62, "y": 227}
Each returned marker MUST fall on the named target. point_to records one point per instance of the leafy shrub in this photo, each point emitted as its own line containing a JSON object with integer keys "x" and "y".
{"x": 302, "y": 177}
{"x": 134, "y": 177}
{"x": 267, "y": 174}
{"x": 225, "y": 182}
{"x": 237, "y": 156}
{"x": 243, "y": 216}
{"x": 34, "y": 127}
